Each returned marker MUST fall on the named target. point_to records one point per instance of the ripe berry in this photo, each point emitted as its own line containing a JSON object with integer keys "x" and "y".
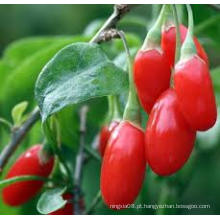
{"x": 151, "y": 76}
{"x": 169, "y": 138}
{"x": 168, "y": 44}
{"x": 123, "y": 167}
{"x": 104, "y": 136}
{"x": 194, "y": 90}
{"x": 27, "y": 164}
{"x": 68, "y": 208}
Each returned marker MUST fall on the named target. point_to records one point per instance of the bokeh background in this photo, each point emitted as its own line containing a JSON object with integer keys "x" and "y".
{"x": 197, "y": 183}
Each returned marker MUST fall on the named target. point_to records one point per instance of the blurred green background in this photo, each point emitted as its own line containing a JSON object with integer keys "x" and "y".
{"x": 21, "y": 61}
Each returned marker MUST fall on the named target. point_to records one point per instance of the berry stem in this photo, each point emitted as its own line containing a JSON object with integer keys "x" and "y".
{"x": 153, "y": 37}
{"x": 178, "y": 40}
{"x": 188, "y": 48}
{"x": 110, "y": 108}
{"x": 114, "y": 109}
{"x": 132, "y": 108}
{"x": 116, "y": 113}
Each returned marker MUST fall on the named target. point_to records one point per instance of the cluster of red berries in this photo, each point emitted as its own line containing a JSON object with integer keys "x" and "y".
{"x": 175, "y": 114}
{"x": 30, "y": 163}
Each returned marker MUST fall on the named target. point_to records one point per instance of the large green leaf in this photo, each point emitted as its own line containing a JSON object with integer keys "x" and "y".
{"x": 77, "y": 73}
{"x": 19, "y": 50}
{"x": 51, "y": 200}
{"x": 5, "y": 70}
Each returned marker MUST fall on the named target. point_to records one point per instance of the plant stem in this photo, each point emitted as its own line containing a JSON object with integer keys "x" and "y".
{"x": 188, "y": 48}
{"x": 155, "y": 11}
{"x": 17, "y": 136}
{"x": 50, "y": 127}
{"x": 63, "y": 162}
{"x": 110, "y": 108}
{"x": 132, "y": 108}
{"x": 119, "y": 11}
{"x": 178, "y": 40}
{"x": 79, "y": 161}
{"x": 116, "y": 108}
{"x": 153, "y": 37}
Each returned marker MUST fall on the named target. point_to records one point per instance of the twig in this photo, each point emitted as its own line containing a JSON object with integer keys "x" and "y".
{"x": 108, "y": 35}
{"x": 118, "y": 13}
{"x": 94, "y": 203}
{"x": 17, "y": 136}
{"x": 79, "y": 161}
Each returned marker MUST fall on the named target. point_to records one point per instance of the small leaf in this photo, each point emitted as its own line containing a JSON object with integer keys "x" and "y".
{"x": 51, "y": 200}
{"x": 77, "y": 73}
{"x": 18, "y": 111}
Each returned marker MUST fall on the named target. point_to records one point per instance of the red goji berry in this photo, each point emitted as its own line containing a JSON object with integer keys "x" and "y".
{"x": 193, "y": 86}
{"x": 168, "y": 44}
{"x": 104, "y": 136}
{"x": 151, "y": 76}
{"x": 123, "y": 167}
{"x": 169, "y": 138}
{"x": 28, "y": 163}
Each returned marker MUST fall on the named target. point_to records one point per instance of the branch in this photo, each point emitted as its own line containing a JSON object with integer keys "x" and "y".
{"x": 79, "y": 161}
{"x": 18, "y": 135}
{"x": 118, "y": 13}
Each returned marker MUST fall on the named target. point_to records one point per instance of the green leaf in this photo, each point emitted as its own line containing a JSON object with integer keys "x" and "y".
{"x": 51, "y": 200}
{"x": 18, "y": 111}
{"x": 5, "y": 70}
{"x": 207, "y": 23}
{"x": 19, "y": 50}
{"x": 77, "y": 73}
